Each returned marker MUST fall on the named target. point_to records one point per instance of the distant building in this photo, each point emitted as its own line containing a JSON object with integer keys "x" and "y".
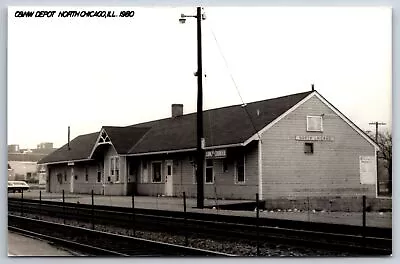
{"x": 23, "y": 162}
{"x": 14, "y": 148}
{"x": 11, "y": 173}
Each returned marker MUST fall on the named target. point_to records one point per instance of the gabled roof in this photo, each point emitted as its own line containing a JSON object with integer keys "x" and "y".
{"x": 225, "y": 126}
{"x": 222, "y": 126}
{"x": 80, "y": 148}
{"x": 123, "y": 138}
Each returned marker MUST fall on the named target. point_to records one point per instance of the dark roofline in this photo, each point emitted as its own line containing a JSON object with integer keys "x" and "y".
{"x": 223, "y": 107}
{"x": 362, "y": 131}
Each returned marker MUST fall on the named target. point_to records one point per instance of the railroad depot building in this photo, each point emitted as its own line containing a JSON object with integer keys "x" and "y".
{"x": 292, "y": 146}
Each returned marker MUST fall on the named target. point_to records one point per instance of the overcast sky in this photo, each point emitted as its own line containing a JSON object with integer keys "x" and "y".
{"x": 90, "y": 72}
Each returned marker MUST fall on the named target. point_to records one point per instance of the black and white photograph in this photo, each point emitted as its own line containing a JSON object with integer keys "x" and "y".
{"x": 199, "y": 131}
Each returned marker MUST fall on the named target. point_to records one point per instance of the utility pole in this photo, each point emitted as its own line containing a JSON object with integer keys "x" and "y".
{"x": 376, "y": 141}
{"x": 376, "y": 129}
{"x": 200, "y": 132}
{"x": 200, "y": 155}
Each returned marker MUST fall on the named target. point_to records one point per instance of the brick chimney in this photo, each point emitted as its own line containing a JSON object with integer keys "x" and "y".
{"x": 177, "y": 110}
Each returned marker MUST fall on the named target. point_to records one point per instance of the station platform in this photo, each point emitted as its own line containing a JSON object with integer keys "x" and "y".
{"x": 375, "y": 219}
{"x": 24, "y": 246}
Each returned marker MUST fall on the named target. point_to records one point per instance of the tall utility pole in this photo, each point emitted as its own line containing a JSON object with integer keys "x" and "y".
{"x": 376, "y": 129}
{"x": 200, "y": 155}
{"x": 200, "y": 132}
{"x": 376, "y": 141}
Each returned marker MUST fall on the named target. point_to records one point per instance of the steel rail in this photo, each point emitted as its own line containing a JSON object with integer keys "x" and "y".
{"x": 296, "y": 236}
{"x": 68, "y": 244}
{"x": 155, "y": 248}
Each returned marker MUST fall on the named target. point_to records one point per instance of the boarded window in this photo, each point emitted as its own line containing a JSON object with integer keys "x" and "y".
{"x": 314, "y": 123}
{"x": 156, "y": 172}
{"x": 209, "y": 171}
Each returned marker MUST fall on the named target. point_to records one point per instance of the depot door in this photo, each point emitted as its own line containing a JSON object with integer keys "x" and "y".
{"x": 169, "y": 180}
{"x": 71, "y": 187}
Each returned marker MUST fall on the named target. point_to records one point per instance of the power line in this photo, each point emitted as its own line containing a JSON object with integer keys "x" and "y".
{"x": 234, "y": 82}
{"x": 376, "y": 124}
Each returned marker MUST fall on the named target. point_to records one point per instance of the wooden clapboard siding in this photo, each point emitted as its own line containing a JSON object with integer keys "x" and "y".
{"x": 333, "y": 169}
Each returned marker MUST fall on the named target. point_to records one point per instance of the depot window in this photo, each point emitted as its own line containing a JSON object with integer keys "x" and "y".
{"x": 309, "y": 148}
{"x": 240, "y": 170}
{"x": 209, "y": 171}
{"x": 156, "y": 172}
{"x": 114, "y": 168}
{"x": 314, "y": 124}
{"x": 98, "y": 173}
{"x": 86, "y": 174}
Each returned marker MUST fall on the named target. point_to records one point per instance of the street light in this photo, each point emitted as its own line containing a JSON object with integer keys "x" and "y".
{"x": 200, "y": 133}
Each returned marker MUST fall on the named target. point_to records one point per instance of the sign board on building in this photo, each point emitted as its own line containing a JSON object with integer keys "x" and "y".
{"x": 70, "y": 164}
{"x": 367, "y": 170}
{"x": 216, "y": 154}
{"x": 315, "y": 138}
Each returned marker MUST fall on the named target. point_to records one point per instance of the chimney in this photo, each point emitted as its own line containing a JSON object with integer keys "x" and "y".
{"x": 177, "y": 110}
{"x": 312, "y": 87}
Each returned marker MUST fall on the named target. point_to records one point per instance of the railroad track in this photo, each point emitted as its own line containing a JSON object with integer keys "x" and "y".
{"x": 368, "y": 241}
{"x": 98, "y": 243}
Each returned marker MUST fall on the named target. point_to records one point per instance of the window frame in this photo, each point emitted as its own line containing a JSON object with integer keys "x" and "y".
{"x": 225, "y": 166}
{"x": 311, "y": 130}
{"x": 237, "y": 170}
{"x": 98, "y": 171}
{"x": 86, "y": 174}
{"x": 144, "y": 171}
{"x": 161, "y": 171}
{"x": 115, "y": 168}
{"x": 205, "y": 170}
{"x": 311, "y": 144}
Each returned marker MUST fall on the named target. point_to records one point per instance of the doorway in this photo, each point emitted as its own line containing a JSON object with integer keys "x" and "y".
{"x": 169, "y": 180}
{"x": 71, "y": 187}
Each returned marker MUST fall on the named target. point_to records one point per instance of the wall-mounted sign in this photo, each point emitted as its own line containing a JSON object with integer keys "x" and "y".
{"x": 367, "y": 169}
{"x": 315, "y": 138}
{"x": 70, "y": 164}
{"x": 216, "y": 154}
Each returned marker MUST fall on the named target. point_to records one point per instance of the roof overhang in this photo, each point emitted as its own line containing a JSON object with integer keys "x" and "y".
{"x": 64, "y": 161}
{"x": 184, "y": 150}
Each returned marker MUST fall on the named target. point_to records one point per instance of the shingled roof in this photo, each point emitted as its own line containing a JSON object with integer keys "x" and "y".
{"x": 80, "y": 149}
{"x": 222, "y": 126}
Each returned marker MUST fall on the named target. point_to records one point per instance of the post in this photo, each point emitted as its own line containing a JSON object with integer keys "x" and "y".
{"x": 200, "y": 136}
{"x": 377, "y": 124}
{"x": 133, "y": 215}
{"x": 257, "y": 224}
{"x": 92, "y": 211}
{"x": 184, "y": 218}
{"x": 40, "y": 204}
{"x": 308, "y": 208}
{"x": 364, "y": 220}
{"x": 63, "y": 201}
{"x": 22, "y": 202}
{"x": 68, "y": 138}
